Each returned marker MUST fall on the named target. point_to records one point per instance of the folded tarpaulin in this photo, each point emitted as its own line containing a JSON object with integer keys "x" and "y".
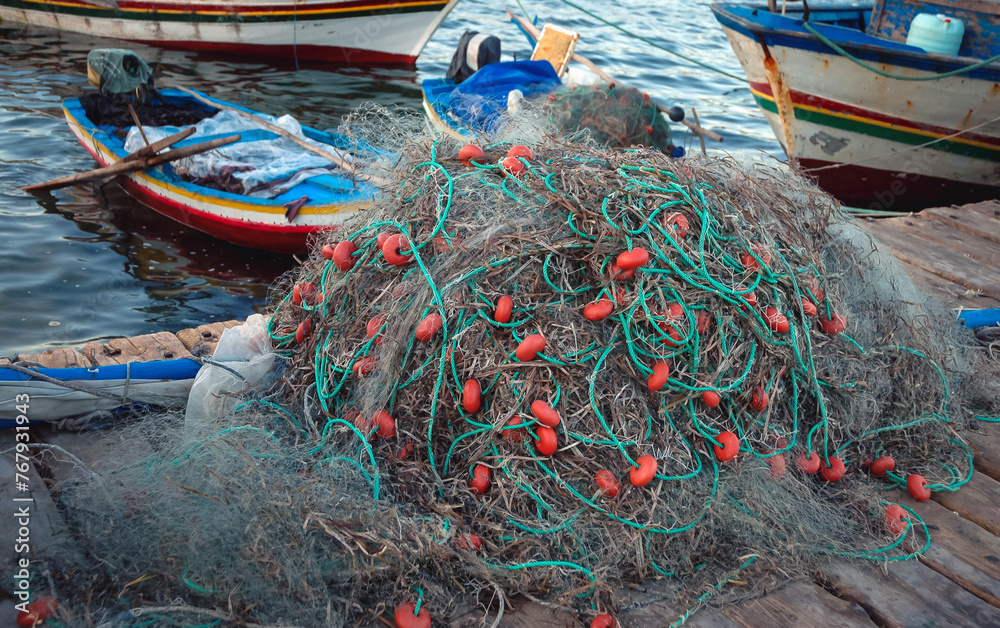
{"x": 479, "y": 100}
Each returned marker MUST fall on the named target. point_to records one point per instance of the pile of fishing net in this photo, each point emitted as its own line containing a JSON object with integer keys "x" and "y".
{"x": 546, "y": 379}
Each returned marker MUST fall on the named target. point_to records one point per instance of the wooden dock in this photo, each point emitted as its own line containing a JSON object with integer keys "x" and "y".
{"x": 953, "y": 253}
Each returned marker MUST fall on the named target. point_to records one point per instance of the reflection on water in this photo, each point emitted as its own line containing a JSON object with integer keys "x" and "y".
{"x": 85, "y": 263}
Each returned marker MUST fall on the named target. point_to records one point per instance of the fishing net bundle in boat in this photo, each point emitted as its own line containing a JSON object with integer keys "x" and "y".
{"x": 706, "y": 324}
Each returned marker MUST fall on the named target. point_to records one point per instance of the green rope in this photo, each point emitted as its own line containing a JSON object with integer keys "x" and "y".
{"x": 934, "y": 77}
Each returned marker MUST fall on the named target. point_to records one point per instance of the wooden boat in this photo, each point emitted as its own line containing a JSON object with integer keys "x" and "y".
{"x": 237, "y": 218}
{"x": 343, "y": 31}
{"x": 868, "y": 136}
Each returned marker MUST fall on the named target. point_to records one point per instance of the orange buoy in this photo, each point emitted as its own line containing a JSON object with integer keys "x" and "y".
{"x": 711, "y": 398}
{"x": 630, "y": 260}
{"x": 303, "y": 330}
{"x": 658, "y": 378}
{"x": 749, "y": 262}
{"x": 468, "y": 542}
{"x": 833, "y": 472}
{"x": 603, "y": 621}
{"x": 808, "y": 463}
{"x": 513, "y": 433}
{"x": 777, "y": 464}
{"x": 808, "y": 307}
{"x": 917, "y": 486}
{"x": 730, "y": 446}
{"x": 469, "y": 153}
{"x": 428, "y": 327}
{"x": 678, "y": 222}
{"x": 758, "y": 400}
{"x": 882, "y": 465}
{"x": 644, "y": 473}
{"x": 301, "y": 292}
{"x": 513, "y": 166}
{"x": 392, "y": 250}
{"x": 896, "y": 519}
{"x": 703, "y": 321}
{"x": 37, "y": 611}
{"x": 617, "y": 274}
{"x": 834, "y": 324}
{"x": 520, "y": 151}
{"x": 547, "y": 441}
{"x": 530, "y": 347}
{"x": 505, "y": 305}
{"x": 364, "y": 366}
{"x": 342, "y": 255}
{"x": 385, "y": 423}
{"x": 373, "y": 329}
{"x": 472, "y": 396}
{"x": 776, "y": 320}
{"x": 545, "y": 414}
{"x": 406, "y": 617}
{"x": 598, "y": 310}
{"x": 480, "y": 481}
{"x": 607, "y": 482}
{"x": 405, "y": 450}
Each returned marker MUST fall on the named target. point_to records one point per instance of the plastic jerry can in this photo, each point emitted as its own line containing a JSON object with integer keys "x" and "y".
{"x": 939, "y": 33}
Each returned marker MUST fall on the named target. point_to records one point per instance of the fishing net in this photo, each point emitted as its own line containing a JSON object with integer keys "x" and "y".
{"x": 549, "y": 379}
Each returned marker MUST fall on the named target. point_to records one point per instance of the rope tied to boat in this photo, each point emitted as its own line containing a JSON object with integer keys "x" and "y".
{"x": 899, "y": 77}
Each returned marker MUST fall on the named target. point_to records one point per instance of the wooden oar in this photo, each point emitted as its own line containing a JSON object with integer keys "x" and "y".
{"x": 535, "y": 34}
{"x": 159, "y": 145}
{"x": 337, "y": 158}
{"x": 123, "y": 166}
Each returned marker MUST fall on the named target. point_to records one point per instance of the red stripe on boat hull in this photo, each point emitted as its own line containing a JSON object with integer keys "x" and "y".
{"x": 870, "y": 188}
{"x": 354, "y": 56}
{"x": 809, "y": 100}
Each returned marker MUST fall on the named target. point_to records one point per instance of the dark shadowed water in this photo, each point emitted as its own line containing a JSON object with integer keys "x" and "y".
{"x": 88, "y": 263}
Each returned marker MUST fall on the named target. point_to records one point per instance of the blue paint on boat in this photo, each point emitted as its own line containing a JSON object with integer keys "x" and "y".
{"x": 975, "y": 319}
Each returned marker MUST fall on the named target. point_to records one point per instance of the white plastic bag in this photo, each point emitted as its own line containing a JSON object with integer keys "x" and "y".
{"x": 245, "y": 349}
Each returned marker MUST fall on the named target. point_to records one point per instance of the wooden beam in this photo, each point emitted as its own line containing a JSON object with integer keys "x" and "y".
{"x": 978, "y": 501}
{"x": 974, "y": 222}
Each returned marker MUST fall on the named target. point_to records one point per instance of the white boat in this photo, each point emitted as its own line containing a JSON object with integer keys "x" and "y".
{"x": 342, "y": 31}
{"x": 877, "y": 122}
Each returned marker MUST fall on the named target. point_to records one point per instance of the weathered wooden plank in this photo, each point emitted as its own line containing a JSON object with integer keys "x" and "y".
{"x": 798, "y": 604}
{"x": 942, "y": 261}
{"x": 987, "y": 208}
{"x": 950, "y": 293}
{"x": 980, "y": 224}
{"x": 106, "y": 354}
{"x": 943, "y": 234}
{"x": 61, "y": 358}
{"x": 978, "y": 501}
{"x": 159, "y": 346}
{"x": 985, "y": 443}
{"x": 911, "y": 595}
{"x": 205, "y": 335}
{"x": 960, "y": 550}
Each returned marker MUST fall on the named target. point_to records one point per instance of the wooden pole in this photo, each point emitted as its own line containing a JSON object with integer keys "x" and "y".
{"x": 138, "y": 125}
{"x": 335, "y": 158}
{"x": 159, "y": 145}
{"x": 535, "y": 34}
{"x": 123, "y": 166}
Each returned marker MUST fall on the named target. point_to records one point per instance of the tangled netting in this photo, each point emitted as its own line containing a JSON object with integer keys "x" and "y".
{"x": 608, "y": 368}
{"x": 614, "y": 116}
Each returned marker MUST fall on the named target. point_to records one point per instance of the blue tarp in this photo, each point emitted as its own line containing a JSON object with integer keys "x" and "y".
{"x": 480, "y": 99}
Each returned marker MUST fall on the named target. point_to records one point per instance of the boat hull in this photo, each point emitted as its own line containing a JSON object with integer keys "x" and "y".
{"x": 868, "y": 139}
{"x": 245, "y": 221}
{"x": 340, "y": 31}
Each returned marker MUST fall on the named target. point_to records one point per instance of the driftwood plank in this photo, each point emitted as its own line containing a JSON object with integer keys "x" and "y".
{"x": 986, "y": 449}
{"x": 799, "y": 604}
{"x": 61, "y": 358}
{"x": 159, "y": 346}
{"x": 986, "y": 208}
{"x": 944, "y": 234}
{"x": 974, "y": 222}
{"x": 936, "y": 259}
{"x": 960, "y": 550}
{"x": 911, "y": 595}
{"x": 950, "y": 293}
{"x": 205, "y": 337}
{"x": 978, "y": 501}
